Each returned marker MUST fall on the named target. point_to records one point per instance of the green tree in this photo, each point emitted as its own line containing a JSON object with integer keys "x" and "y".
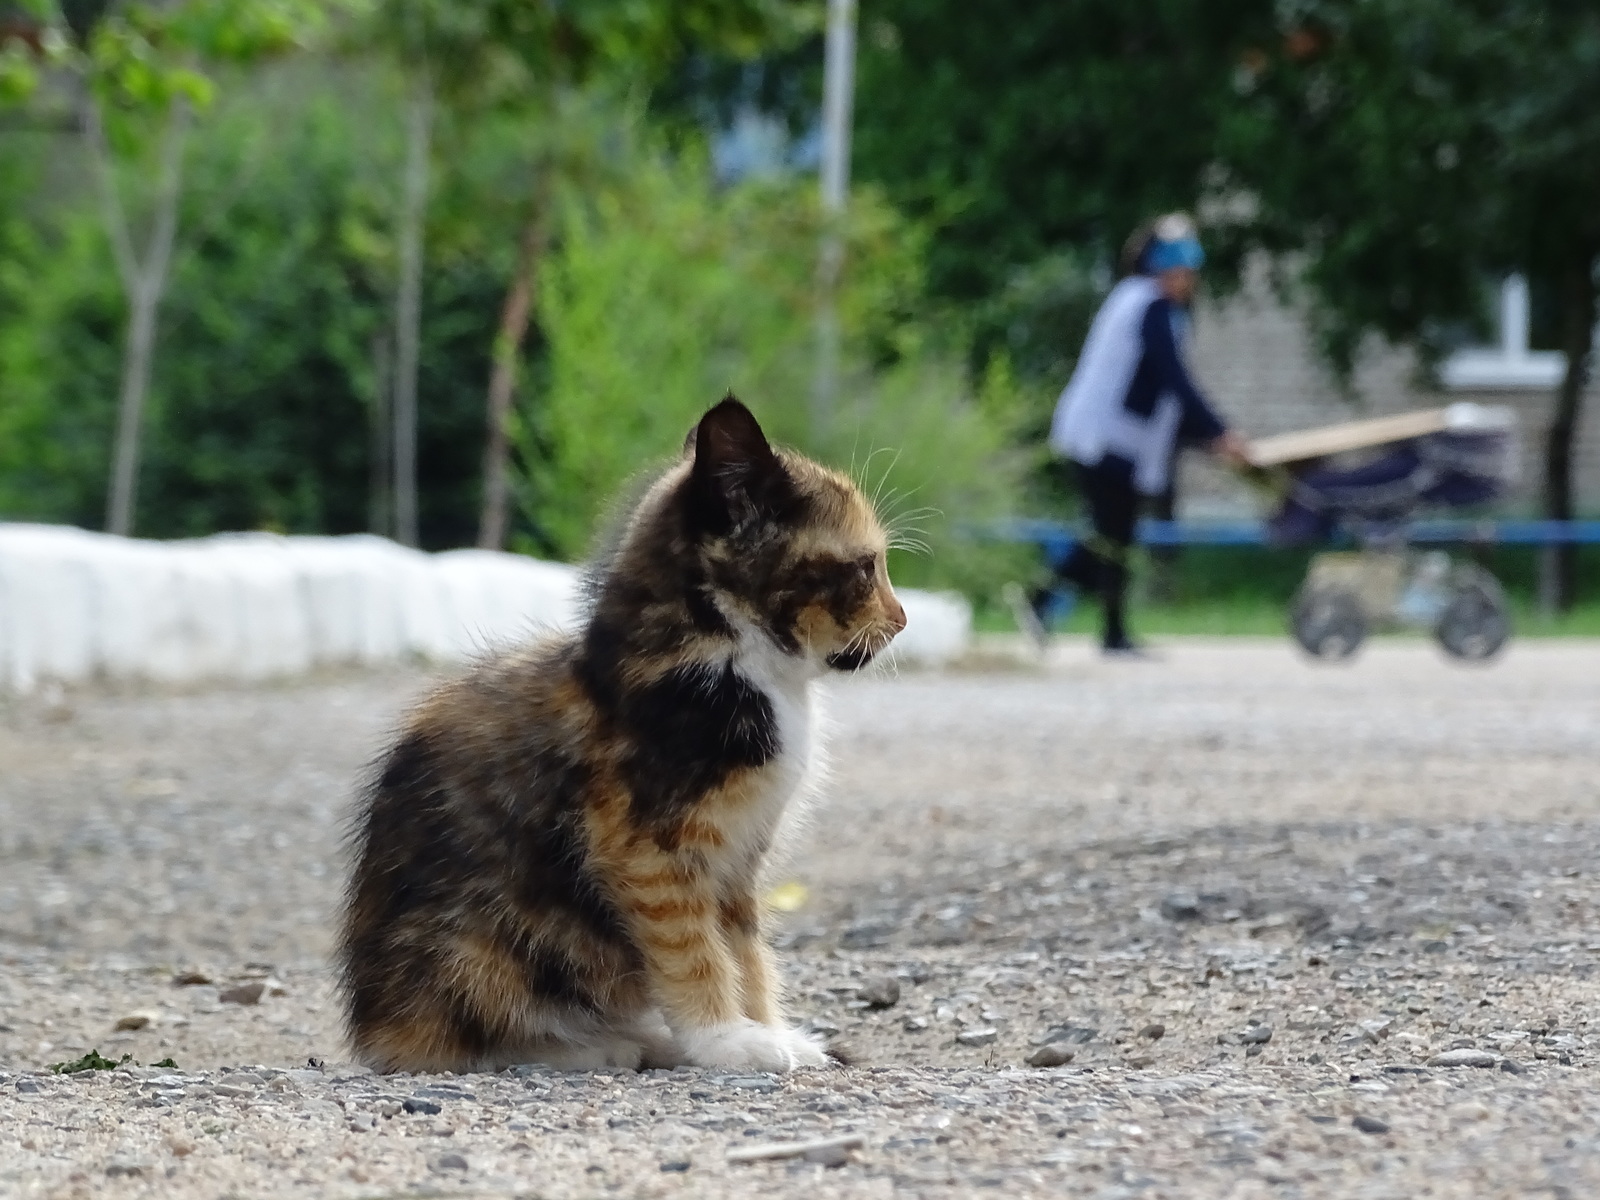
{"x": 262, "y": 400}
{"x": 1408, "y": 149}
{"x": 666, "y": 290}
{"x": 137, "y": 73}
{"x": 1025, "y": 128}
{"x": 479, "y": 56}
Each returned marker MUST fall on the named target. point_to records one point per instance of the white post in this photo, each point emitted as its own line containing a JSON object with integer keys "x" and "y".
{"x": 838, "y": 95}
{"x": 1514, "y": 317}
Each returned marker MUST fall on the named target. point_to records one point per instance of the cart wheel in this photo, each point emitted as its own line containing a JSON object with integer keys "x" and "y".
{"x": 1475, "y": 623}
{"x": 1328, "y": 622}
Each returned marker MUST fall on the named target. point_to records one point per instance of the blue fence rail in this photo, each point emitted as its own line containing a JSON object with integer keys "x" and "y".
{"x": 1056, "y": 538}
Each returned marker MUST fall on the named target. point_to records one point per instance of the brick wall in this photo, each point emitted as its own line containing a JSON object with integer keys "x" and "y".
{"x": 1253, "y": 356}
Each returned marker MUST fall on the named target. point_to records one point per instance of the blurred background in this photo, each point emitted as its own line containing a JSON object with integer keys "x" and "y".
{"x": 453, "y": 271}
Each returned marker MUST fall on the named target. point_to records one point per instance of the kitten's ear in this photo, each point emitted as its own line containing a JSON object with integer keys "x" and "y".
{"x": 735, "y": 473}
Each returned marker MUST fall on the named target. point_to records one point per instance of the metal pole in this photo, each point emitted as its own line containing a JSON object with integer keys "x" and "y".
{"x": 838, "y": 95}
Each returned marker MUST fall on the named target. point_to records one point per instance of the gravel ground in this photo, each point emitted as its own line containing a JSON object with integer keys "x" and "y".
{"x": 1286, "y": 931}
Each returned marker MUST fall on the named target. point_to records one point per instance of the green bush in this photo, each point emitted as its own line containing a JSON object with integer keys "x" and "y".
{"x": 260, "y": 413}
{"x": 665, "y": 292}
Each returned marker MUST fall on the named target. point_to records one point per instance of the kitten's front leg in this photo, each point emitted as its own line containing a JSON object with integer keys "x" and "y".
{"x": 758, "y": 969}
{"x": 761, "y": 987}
{"x": 697, "y": 975}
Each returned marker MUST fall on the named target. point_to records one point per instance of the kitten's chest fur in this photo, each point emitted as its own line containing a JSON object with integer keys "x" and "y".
{"x": 779, "y": 787}
{"x": 710, "y": 752}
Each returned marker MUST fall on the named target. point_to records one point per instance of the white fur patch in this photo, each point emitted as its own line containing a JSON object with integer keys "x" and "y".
{"x": 749, "y": 1045}
{"x": 794, "y": 772}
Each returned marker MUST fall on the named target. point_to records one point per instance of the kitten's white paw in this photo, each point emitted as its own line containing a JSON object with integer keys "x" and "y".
{"x": 750, "y": 1045}
{"x": 805, "y": 1048}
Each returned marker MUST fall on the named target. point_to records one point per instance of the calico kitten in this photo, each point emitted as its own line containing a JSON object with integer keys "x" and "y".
{"x": 561, "y": 860}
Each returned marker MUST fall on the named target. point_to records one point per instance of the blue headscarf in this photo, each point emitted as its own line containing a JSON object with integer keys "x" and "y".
{"x": 1163, "y": 256}
{"x": 1174, "y": 242}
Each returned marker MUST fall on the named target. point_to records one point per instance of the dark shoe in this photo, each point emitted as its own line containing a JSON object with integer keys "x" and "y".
{"x": 1127, "y": 650}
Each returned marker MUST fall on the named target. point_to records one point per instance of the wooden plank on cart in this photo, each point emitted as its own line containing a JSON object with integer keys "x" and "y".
{"x": 1351, "y": 435}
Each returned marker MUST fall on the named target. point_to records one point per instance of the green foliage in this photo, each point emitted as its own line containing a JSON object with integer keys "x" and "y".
{"x": 60, "y": 314}
{"x": 497, "y": 50}
{"x": 95, "y": 1061}
{"x": 92, "y": 1061}
{"x": 262, "y": 392}
{"x": 260, "y": 413}
{"x": 144, "y": 56}
{"x": 664, "y": 293}
{"x": 1410, "y": 147}
{"x": 1020, "y": 128}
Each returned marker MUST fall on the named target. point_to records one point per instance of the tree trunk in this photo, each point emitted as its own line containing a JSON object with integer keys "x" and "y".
{"x": 144, "y": 283}
{"x": 514, "y": 317}
{"x": 1577, "y": 340}
{"x": 380, "y": 485}
{"x": 408, "y": 306}
{"x": 137, "y": 352}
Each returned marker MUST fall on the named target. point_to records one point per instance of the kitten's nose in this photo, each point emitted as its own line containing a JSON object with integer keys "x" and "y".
{"x": 894, "y": 612}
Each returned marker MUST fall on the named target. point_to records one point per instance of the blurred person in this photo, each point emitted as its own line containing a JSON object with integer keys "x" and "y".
{"x": 1128, "y": 407}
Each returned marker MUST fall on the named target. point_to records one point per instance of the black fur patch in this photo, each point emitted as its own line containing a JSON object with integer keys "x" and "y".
{"x": 426, "y": 852}
{"x": 688, "y": 731}
{"x": 839, "y": 587}
{"x": 408, "y": 765}
{"x": 851, "y": 660}
{"x": 471, "y": 1033}
{"x": 548, "y": 872}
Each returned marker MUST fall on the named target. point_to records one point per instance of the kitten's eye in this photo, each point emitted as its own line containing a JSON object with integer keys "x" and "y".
{"x": 867, "y": 565}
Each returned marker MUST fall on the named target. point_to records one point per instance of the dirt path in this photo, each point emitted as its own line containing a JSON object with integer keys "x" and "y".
{"x": 1250, "y": 901}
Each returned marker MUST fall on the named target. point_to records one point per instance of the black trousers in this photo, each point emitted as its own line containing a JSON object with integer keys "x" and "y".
{"x": 1099, "y": 564}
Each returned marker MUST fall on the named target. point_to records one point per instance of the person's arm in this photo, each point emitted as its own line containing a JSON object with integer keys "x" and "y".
{"x": 1199, "y": 423}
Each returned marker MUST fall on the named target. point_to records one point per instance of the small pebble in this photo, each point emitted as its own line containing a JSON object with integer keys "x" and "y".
{"x": 1464, "y": 1058}
{"x": 191, "y": 978}
{"x": 983, "y": 1036}
{"x": 1181, "y": 906}
{"x": 1256, "y": 1035}
{"x": 414, "y": 1105}
{"x": 752, "y": 1083}
{"x": 880, "y": 991}
{"x": 1055, "y": 1054}
{"x": 1511, "y": 1066}
{"x": 829, "y": 1156}
{"x": 1369, "y": 1125}
{"x": 243, "y": 993}
{"x": 135, "y": 1020}
{"x": 449, "y": 1162}
{"x": 1154, "y": 1031}
{"x": 676, "y": 1165}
